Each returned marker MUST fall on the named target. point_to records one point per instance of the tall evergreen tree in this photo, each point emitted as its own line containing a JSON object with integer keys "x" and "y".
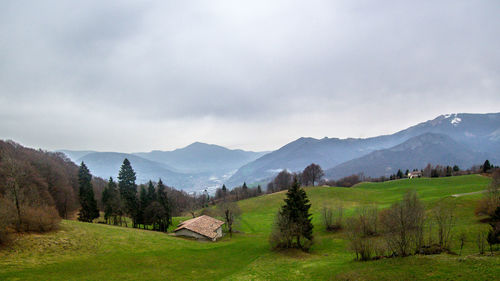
{"x": 244, "y": 189}
{"x": 296, "y": 214}
{"x": 166, "y": 215}
{"x": 151, "y": 192}
{"x": 88, "y": 211}
{"x": 111, "y": 201}
{"x": 143, "y": 204}
{"x": 128, "y": 190}
{"x": 259, "y": 189}
{"x": 399, "y": 174}
{"x": 486, "y": 166}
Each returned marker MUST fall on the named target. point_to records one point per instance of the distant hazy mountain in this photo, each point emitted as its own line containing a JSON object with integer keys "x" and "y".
{"x": 107, "y": 164}
{"x": 202, "y": 158}
{"x": 416, "y": 152}
{"x": 196, "y": 167}
{"x": 74, "y": 155}
{"x": 479, "y": 132}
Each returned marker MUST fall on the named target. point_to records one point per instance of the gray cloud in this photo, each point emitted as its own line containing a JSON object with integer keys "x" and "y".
{"x": 160, "y": 74}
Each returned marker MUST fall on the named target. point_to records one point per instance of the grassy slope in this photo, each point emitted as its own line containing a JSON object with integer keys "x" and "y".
{"x": 100, "y": 252}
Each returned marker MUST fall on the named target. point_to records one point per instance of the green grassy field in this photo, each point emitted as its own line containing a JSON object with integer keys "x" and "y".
{"x": 81, "y": 251}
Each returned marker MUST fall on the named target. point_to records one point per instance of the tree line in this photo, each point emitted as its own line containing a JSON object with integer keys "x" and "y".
{"x": 37, "y": 189}
{"x": 313, "y": 174}
{"x": 150, "y": 205}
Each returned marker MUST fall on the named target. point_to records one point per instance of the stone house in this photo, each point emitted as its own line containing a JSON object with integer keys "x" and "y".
{"x": 202, "y": 227}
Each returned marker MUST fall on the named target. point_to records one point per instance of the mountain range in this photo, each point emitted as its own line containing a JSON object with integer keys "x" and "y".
{"x": 196, "y": 167}
{"x": 479, "y": 133}
{"x": 463, "y": 139}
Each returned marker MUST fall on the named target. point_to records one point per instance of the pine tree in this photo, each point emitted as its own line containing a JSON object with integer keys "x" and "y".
{"x": 224, "y": 191}
{"x": 111, "y": 201}
{"x": 244, "y": 189}
{"x": 143, "y": 204}
{"x": 296, "y": 213}
{"x": 166, "y": 214}
{"x": 399, "y": 174}
{"x": 88, "y": 211}
{"x": 128, "y": 190}
{"x": 259, "y": 189}
{"x": 486, "y": 166}
{"x": 151, "y": 192}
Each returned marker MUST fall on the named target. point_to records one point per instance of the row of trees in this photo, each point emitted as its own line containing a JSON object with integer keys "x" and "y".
{"x": 237, "y": 193}
{"x": 311, "y": 175}
{"x": 401, "y": 230}
{"x": 406, "y": 228}
{"x": 151, "y": 207}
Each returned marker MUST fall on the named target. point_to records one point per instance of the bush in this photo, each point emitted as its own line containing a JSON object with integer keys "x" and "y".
{"x": 481, "y": 241}
{"x": 367, "y": 218}
{"x": 361, "y": 245}
{"x": 403, "y": 225}
{"x": 7, "y": 215}
{"x": 39, "y": 219}
{"x": 333, "y": 217}
{"x": 491, "y": 200}
{"x": 433, "y": 249}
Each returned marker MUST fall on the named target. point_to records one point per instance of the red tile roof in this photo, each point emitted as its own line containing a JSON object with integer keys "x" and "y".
{"x": 204, "y": 225}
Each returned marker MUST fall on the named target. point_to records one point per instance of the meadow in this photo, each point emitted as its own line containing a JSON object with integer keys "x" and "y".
{"x": 83, "y": 251}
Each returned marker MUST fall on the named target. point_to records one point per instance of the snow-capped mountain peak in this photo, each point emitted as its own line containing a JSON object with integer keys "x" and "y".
{"x": 456, "y": 121}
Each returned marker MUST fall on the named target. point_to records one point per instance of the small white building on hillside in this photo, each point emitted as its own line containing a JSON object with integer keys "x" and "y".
{"x": 415, "y": 174}
{"x": 202, "y": 227}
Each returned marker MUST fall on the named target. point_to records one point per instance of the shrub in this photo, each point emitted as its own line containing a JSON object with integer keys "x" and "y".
{"x": 333, "y": 217}
{"x": 403, "y": 225}
{"x": 39, "y": 219}
{"x": 481, "y": 241}
{"x": 491, "y": 200}
{"x": 367, "y": 218}
{"x": 7, "y": 215}
{"x": 445, "y": 218}
{"x": 361, "y": 245}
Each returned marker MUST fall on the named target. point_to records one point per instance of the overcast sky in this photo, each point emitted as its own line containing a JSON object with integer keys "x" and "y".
{"x": 143, "y": 75}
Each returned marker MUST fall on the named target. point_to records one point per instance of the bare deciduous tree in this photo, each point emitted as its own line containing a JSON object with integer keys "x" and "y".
{"x": 361, "y": 245}
{"x": 481, "y": 241}
{"x": 403, "y": 225}
{"x": 445, "y": 218}
{"x": 462, "y": 238}
{"x": 333, "y": 217}
{"x": 230, "y": 211}
{"x": 312, "y": 174}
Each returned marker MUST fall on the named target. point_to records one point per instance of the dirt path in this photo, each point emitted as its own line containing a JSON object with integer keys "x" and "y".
{"x": 470, "y": 193}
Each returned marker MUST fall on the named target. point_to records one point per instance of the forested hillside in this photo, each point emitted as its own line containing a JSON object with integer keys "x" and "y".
{"x": 37, "y": 188}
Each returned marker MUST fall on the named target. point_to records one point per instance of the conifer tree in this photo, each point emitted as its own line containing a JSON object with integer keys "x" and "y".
{"x": 244, "y": 188}
{"x": 151, "y": 192}
{"x": 224, "y": 192}
{"x": 111, "y": 201}
{"x": 295, "y": 214}
{"x": 486, "y": 166}
{"x": 88, "y": 211}
{"x": 259, "y": 189}
{"x": 166, "y": 214}
{"x": 399, "y": 174}
{"x": 128, "y": 190}
{"x": 143, "y": 204}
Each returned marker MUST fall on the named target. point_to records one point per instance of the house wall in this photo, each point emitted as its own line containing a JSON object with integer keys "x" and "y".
{"x": 189, "y": 233}
{"x": 219, "y": 232}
